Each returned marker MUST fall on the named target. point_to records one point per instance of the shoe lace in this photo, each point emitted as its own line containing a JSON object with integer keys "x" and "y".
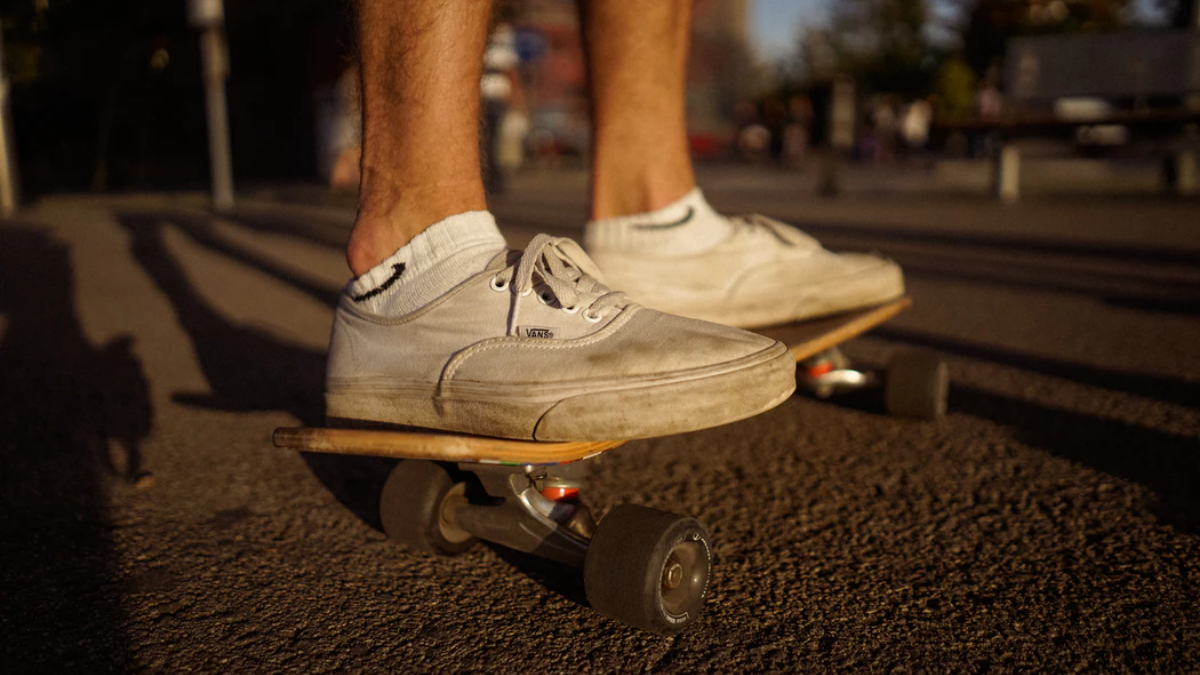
{"x": 784, "y": 232}
{"x": 569, "y": 274}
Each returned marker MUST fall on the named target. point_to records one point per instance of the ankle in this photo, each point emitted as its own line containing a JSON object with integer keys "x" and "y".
{"x": 431, "y": 263}
{"x": 686, "y": 226}
{"x": 387, "y": 221}
{"x": 615, "y": 194}
{"x": 371, "y": 241}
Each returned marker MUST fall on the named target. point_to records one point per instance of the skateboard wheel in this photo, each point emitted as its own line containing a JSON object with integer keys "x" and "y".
{"x": 417, "y": 509}
{"x": 648, "y": 568}
{"x": 918, "y": 384}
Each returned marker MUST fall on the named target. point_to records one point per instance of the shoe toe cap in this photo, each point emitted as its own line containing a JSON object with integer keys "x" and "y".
{"x": 683, "y": 343}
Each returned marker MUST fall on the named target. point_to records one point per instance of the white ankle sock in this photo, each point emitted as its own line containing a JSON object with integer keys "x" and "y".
{"x": 687, "y": 226}
{"x": 438, "y": 259}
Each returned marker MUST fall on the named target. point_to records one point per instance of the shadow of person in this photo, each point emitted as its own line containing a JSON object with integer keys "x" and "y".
{"x": 72, "y": 418}
{"x": 250, "y": 370}
{"x": 247, "y": 369}
{"x": 122, "y": 387}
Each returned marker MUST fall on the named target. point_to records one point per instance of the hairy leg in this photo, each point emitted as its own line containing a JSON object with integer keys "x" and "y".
{"x": 421, "y": 64}
{"x": 637, "y": 59}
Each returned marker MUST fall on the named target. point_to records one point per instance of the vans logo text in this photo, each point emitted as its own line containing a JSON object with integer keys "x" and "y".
{"x": 539, "y": 332}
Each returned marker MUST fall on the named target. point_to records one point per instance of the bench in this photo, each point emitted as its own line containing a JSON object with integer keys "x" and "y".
{"x": 1150, "y": 81}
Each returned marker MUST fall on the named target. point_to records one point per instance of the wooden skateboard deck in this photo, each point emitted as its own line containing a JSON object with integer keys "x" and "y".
{"x": 804, "y": 339}
{"x": 436, "y": 446}
{"x": 809, "y": 338}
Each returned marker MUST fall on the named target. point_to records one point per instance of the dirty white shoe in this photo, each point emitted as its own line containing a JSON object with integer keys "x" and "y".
{"x": 742, "y": 271}
{"x": 536, "y": 347}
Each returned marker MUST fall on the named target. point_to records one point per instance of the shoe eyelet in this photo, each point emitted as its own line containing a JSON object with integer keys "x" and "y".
{"x": 591, "y": 318}
{"x": 497, "y": 285}
{"x": 544, "y": 298}
{"x": 570, "y": 310}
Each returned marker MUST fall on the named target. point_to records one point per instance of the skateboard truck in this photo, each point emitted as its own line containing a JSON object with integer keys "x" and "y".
{"x": 915, "y": 384}
{"x": 525, "y": 519}
{"x": 828, "y": 373}
{"x": 644, "y": 567}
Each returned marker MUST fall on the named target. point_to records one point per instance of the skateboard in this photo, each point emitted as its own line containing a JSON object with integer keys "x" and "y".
{"x": 645, "y": 567}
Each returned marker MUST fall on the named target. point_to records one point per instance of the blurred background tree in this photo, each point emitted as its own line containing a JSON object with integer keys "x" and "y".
{"x": 881, "y": 44}
{"x": 988, "y": 24}
{"x": 917, "y": 48}
{"x": 954, "y": 90}
{"x": 1181, "y": 13}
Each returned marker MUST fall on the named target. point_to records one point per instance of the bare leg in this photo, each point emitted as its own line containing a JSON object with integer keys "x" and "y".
{"x": 421, "y": 63}
{"x": 637, "y": 56}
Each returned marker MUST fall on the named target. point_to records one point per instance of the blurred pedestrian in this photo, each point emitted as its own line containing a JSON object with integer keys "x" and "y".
{"x": 885, "y": 129}
{"x": 989, "y": 108}
{"x": 775, "y": 119}
{"x": 798, "y": 130}
{"x": 753, "y": 139}
{"x": 914, "y": 128}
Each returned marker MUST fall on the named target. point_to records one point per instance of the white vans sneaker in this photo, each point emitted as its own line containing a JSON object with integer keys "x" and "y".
{"x": 749, "y": 270}
{"x": 536, "y": 347}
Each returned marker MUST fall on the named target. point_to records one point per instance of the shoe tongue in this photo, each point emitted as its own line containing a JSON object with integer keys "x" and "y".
{"x": 795, "y": 237}
{"x": 788, "y": 234}
{"x": 587, "y": 285}
{"x": 504, "y": 258}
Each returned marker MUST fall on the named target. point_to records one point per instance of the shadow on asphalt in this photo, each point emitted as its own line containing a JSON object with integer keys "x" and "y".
{"x": 327, "y": 234}
{"x": 1173, "y": 297}
{"x": 1015, "y": 244}
{"x": 249, "y": 370}
{"x": 1155, "y": 294}
{"x": 554, "y": 577}
{"x": 1157, "y": 387}
{"x": 1165, "y": 463}
{"x": 200, "y": 230}
{"x": 72, "y": 418}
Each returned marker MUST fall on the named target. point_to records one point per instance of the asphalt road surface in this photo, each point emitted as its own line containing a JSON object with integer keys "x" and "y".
{"x": 1050, "y": 522}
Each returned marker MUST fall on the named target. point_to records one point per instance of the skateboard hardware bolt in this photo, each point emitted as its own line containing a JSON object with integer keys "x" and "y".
{"x": 672, "y": 575}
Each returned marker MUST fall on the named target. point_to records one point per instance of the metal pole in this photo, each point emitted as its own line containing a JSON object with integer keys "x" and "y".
{"x": 209, "y": 15}
{"x": 1008, "y": 172}
{"x": 840, "y": 135}
{"x": 8, "y": 165}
